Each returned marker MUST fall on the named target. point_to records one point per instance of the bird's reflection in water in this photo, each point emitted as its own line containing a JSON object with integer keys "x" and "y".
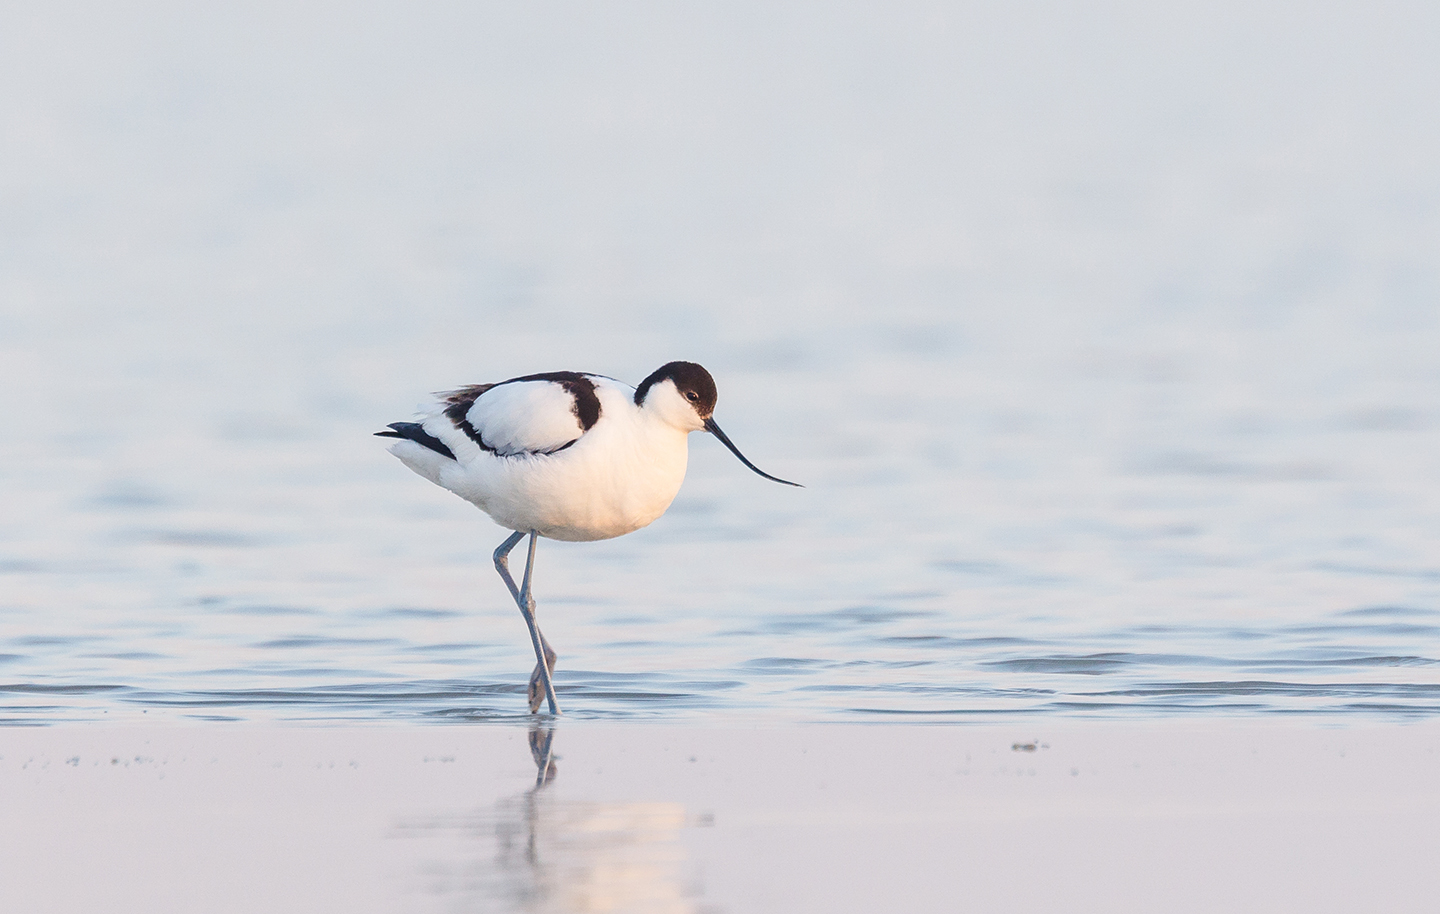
{"x": 542, "y": 744}
{"x": 541, "y": 852}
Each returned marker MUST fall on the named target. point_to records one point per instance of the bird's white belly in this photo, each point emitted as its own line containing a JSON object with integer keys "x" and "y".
{"x": 602, "y": 487}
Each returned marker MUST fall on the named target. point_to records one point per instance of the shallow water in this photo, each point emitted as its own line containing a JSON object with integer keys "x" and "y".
{"x": 1115, "y": 397}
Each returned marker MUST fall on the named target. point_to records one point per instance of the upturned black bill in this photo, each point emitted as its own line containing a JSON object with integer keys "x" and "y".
{"x": 714, "y": 429}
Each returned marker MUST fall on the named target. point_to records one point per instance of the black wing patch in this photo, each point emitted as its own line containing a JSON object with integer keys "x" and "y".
{"x": 458, "y": 403}
{"x": 580, "y": 388}
{"x": 585, "y": 404}
{"x": 414, "y": 431}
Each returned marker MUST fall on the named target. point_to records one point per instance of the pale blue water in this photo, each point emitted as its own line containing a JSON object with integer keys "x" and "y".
{"x": 1104, "y": 343}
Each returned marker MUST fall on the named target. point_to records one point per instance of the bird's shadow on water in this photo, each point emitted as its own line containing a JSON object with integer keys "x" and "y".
{"x": 539, "y": 850}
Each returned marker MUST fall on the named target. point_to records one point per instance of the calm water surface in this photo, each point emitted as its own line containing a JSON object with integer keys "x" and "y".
{"x": 1125, "y": 412}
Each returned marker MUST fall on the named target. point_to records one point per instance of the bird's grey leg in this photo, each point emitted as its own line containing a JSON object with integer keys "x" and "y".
{"x": 540, "y": 680}
{"x": 502, "y": 563}
{"x": 536, "y": 689}
{"x": 540, "y": 683}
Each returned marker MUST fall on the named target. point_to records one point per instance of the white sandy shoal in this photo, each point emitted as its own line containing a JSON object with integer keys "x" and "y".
{"x": 1170, "y": 816}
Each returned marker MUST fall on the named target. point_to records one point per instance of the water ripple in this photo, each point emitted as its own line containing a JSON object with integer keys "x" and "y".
{"x": 863, "y": 661}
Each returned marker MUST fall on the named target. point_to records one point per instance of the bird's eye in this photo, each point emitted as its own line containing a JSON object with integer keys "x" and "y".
{"x": 692, "y": 396}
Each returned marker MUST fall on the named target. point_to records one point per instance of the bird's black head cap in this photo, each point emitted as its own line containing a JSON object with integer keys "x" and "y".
{"x": 693, "y": 382}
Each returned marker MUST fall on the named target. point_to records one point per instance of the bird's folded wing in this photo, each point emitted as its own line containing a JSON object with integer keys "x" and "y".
{"x": 522, "y": 417}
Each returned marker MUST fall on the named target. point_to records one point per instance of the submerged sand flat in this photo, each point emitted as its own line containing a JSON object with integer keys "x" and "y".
{"x": 1066, "y": 815}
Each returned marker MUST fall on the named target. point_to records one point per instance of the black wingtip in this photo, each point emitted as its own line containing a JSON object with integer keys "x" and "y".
{"x": 414, "y": 431}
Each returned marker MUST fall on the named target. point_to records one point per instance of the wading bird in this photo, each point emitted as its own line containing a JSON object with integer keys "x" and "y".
{"x": 565, "y": 455}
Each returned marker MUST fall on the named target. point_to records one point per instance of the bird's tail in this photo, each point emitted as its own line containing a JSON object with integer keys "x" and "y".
{"x": 414, "y": 431}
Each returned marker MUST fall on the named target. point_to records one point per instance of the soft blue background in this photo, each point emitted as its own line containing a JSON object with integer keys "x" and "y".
{"x": 1103, "y": 336}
